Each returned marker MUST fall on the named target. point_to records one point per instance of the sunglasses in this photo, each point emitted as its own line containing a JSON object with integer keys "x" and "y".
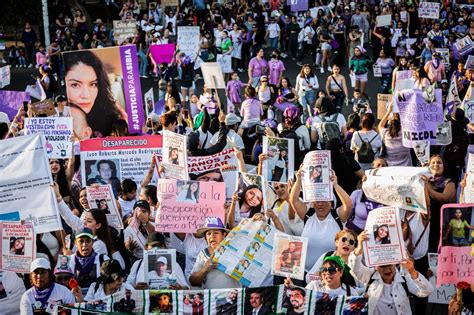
{"x": 330, "y": 270}
{"x": 345, "y": 239}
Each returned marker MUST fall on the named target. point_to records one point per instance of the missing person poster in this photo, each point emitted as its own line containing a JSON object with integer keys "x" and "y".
{"x": 111, "y": 78}
{"x": 317, "y": 184}
{"x": 289, "y": 256}
{"x": 18, "y": 246}
{"x": 246, "y": 252}
{"x": 185, "y": 205}
{"x": 455, "y": 258}
{"x": 385, "y": 245}
{"x": 58, "y": 133}
{"x": 101, "y": 197}
{"x": 160, "y": 268}
{"x": 279, "y": 164}
{"x": 422, "y": 151}
{"x": 174, "y": 155}
{"x": 397, "y": 186}
{"x": 443, "y": 293}
{"x": 25, "y": 183}
{"x": 149, "y": 103}
{"x": 419, "y": 119}
{"x": 110, "y": 160}
{"x": 251, "y": 193}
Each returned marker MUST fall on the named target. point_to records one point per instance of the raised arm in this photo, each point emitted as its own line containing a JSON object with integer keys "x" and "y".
{"x": 295, "y": 202}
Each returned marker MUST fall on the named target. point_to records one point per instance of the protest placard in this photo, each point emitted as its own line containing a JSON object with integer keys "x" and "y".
{"x": 397, "y": 186}
{"x": 422, "y": 151}
{"x": 452, "y": 99}
{"x": 162, "y": 53}
{"x": 36, "y": 90}
{"x": 175, "y": 156}
{"x": 377, "y": 71}
{"x": 212, "y": 75}
{"x": 123, "y": 30}
{"x": 317, "y": 184}
{"x": 225, "y": 62}
{"x": 464, "y": 45}
{"x": 25, "y": 183}
{"x": 109, "y": 160}
{"x": 101, "y": 197}
{"x": 385, "y": 245}
{"x": 251, "y": 192}
{"x": 469, "y": 63}
{"x": 45, "y": 107}
{"x": 444, "y": 133}
{"x": 384, "y": 20}
{"x": 188, "y": 40}
{"x": 428, "y": 10}
{"x": 149, "y": 99}
{"x": 160, "y": 267}
{"x": 455, "y": 260}
{"x": 289, "y": 256}
{"x": 120, "y": 65}
{"x": 11, "y": 101}
{"x": 403, "y": 80}
{"x": 246, "y": 252}
{"x": 444, "y": 54}
{"x": 170, "y": 3}
{"x": 298, "y": 5}
{"x": 443, "y": 293}
{"x": 5, "y": 76}
{"x": 383, "y": 101}
{"x": 419, "y": 118}
{"x": 58, "y": 133}
{"x": 185, "y": 205}
{"x": 279, "y": 164}
{"x": 18, "y": 246}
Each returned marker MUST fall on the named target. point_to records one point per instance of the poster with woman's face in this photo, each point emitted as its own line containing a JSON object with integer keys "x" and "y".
{"x": 251, "y": 193}
{"x": 174, "y": 155}
{"x": 105, "y": 84}
{"x": 102, "y": 197}
{"x": 18, "y": 246}
{"x": 456, "y": 226}
{"x": 187, "y": 191}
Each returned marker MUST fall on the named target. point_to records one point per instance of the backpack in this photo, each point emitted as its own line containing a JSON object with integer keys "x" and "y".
{"x": 329, "y": 130}
{"x": 291, "y": 134}
{"x": 312, "y": 211}
{"x": 365, "y": 153}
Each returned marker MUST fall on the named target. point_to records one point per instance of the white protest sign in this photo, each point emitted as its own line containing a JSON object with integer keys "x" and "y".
{"x": 385, "y": 245}
{"x": 443, "y": 293}
{"x": 397, "y": 186}
{"x": 377, "y": 71}
{"x": 468, "y": 191}
{"x": 428, "y": 10}
{"x": 25, "y": 183}
{"x": 289, "y": 255}
{"x": 464, "y": 45}
{"x": 124, "y": 30}
{"x": 225, "y": 61}
{"x": 317, "y": 184}
{"x": 4, "y": 76}
{"x": 384, "y": 20}
{"x": 444, "y": 54}
{"x": 422, "y": 151}
{"x": 174, "y": 155}
{"x": 101, "y": 197}
{"x": 58, "y": 132}
{"x": 188, "y": 40}
{"x": 160, "y": 267}
{"x": 149, "y": 99}
{"x": 18, "y": 244}
{"x": 212, "y": 74}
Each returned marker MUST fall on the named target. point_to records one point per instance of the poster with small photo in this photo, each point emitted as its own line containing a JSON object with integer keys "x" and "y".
{"x": 104, "y": 172}
{"x": 194, "y": 302}
{"x": 289, "y": 255}
{"x": 279, "y": 163}
{"x": 262, "y": 300}
{"x": 160, "y": 267}
{"x": 317, "y": 184}
{"x": 161, "y": 302}
{"x": 187, "y": 191}
{"x": 175, "y": 159}
{"x": 18, "y": 246}
{"x": 458, "y": 225}
{"x": 101, "y": 197}
{"x": 226, "y": 301}
{"x": 251, "y": 193}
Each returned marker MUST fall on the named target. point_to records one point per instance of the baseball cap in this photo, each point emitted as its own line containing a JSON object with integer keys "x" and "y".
{"x": 231, "y": 119}
{"x": 163, "y": 260}
{"x": 444, "y": 81}
{"x": 143, "y": 204}
{"x": 85, "y": 232}
{"x": 40, "y": 263}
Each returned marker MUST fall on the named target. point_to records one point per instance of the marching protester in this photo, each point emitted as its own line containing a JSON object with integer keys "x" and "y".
{"x": 203, "y": 146}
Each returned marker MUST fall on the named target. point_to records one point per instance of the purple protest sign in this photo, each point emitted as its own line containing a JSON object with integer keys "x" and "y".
{"x": 132, "y": 89}
{"x": 298, "y": 5}
{"x": 162, "y": 53}
{"x": 420, "y": 119}
{"x": 10, "y": 102}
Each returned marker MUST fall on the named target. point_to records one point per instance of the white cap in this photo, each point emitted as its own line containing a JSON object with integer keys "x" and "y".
{"x": 4, "y": 118}
{"x": 40, "y": 263}
{"x": 163, "y": 260}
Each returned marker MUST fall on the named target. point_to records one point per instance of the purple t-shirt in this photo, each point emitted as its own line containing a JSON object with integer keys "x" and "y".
{"x": 233, "y": 89}
{"x": 275, "y": 67}
{"x": 251, "y": 109}
{"x": 258, "y": 67}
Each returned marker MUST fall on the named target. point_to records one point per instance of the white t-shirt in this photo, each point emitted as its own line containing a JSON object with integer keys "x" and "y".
{"x": 317, "y": 122}
{"x": 191, "y": 247}
{"x": 233, "y": 140}
{"x": 127, "y": 206}
{"x": 59, "y": 295}
{"x": 319, "y": 286}
{"x": 292, "y": 226}
{"x": 273, "y": 30}
{"x": 320, "y": 236}
{"x": 139, "y": 238}
{"x": 14, "y": 288}
{"x": 99, "y": 294}
{"x": 385, "y": 304}
{"x": 302, "y": 83}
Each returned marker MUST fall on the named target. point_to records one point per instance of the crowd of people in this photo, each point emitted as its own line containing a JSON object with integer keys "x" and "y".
{"x": 327, "y": 105}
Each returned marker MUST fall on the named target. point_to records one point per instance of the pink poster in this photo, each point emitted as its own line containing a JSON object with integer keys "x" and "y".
{"x": 455, "y": 262}
{"x": 185, "y": 205}
{"x": 162, "y": 53}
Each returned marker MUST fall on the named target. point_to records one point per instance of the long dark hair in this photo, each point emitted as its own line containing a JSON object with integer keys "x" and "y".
{"x": 61, "y": 180}
{"x": 103, "y": 113}
{"x": 103, "y": 233}
{"x": 189, "y": 193}
{"x": 395, "y": 126}
{"x": 252, "y": 210}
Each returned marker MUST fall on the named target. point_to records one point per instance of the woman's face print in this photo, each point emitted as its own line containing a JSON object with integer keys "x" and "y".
{"x": 105, "y": 171}
{"x": 253, "y": 197}
{"x": 82, "y": 86}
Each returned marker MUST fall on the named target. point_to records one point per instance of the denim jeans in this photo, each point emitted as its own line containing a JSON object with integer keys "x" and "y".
{"x": 273, "y": 42}
{"x": 307, "y": 100}
{"x": 143, "y": 63}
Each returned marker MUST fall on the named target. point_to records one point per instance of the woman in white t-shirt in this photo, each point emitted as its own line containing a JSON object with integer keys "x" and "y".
{"x": 325, "y": 113}
{"x": 322, "y": 222}
{"x": 369, "y": 135}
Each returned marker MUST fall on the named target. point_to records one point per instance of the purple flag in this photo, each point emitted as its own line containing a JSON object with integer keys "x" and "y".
{"x": 132, "y": 88}
{"x": 162, "y": 53}
{"x": 299, "y": 5}
{"x": 10, "y": 102}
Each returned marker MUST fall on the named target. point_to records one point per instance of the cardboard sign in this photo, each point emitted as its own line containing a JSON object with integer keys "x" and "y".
{"x": 428, "y": 10}
{"x": 383, "y": 101}
{"x": 212, "y": 74}
{"x": 384, "y": 20}
{"x": 124, "y": 30}
{"x": 169, "y": 3}
{"x": 43, "y": 107}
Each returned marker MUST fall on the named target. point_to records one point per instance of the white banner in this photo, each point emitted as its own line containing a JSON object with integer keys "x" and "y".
{"x": 188, "y": 40}
{"x": 397, "y": 186}
{"x": 468, "y": 192}
{"x": 385, "y": 245}
{"x": 25, "y": 183}
{"x": 58, "y": 132}
{"x": 4, "y": 76}
{"x": 317, "y": 176}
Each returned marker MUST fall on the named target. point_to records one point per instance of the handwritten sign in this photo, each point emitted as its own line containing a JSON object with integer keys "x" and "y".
{"x": 428, "y": 10}
{"x": 124, "y": 30}
{"x": 45, "y": 107}
{"x": 188, "y": 40}
{"x": 185, "y": 205}
{"x": 57, "y": 131}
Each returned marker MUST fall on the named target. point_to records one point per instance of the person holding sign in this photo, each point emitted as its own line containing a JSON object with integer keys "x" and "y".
{"x": 321, "y": 221}
{"x": 137, "y": 231}
{"x": 387, "y": 287}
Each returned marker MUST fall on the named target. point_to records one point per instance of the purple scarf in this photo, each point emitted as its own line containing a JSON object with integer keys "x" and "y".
{"x": 43, "y": 295}
{"x": 438, "y": 182}
{"x": 84, "y": 264}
